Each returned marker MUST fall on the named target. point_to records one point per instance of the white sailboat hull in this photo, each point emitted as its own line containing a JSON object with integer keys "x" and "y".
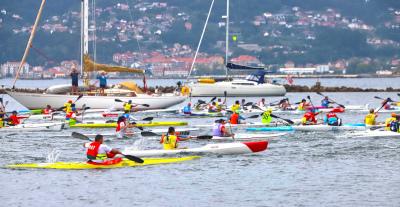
{"x": 36, "y": 100}
{"x": 241, "y": 88}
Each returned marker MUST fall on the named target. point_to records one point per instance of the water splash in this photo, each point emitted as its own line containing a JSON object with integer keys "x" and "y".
{"x": 139, "y": 144}
{"x": 53, "y": 156}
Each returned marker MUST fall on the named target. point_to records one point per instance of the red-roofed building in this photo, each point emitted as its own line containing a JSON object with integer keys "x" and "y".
{"x": 246, "y": 60}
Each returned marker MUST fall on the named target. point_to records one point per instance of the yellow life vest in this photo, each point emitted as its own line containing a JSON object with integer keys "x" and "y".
{"x": 68, "y": 107}
{"x": 235, "y": 107}
{"x": 1, "y": 123}
{"x": 170, "y": 142}
{"x": 185, "y": 91}
{"x": 127, "y": 107}
{"x": 301, "y": 107}
{"x": 388, "y": 121}
{"x": 370, "y": 119}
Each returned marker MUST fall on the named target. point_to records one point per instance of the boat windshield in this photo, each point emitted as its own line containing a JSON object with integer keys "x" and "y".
{"x": 257, "y": 77}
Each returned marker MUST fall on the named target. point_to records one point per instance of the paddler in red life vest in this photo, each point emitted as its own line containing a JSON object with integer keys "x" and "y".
{"x": 171, "y": 139}
{"x": 387, "y": 106}
{"x": 212, "y": 107}
{"x": 235, "y": 118}
{"x": 332, "y": 119}
{"x": 71, "y": 116}
{"x": 13, "y": 119}
{"x": 309, "y": 117}
{"x": 220, "y": 130}
{"x": 122, "y": 126}
{"x": 47, "y": 110}
{"x": 99, "y": 152}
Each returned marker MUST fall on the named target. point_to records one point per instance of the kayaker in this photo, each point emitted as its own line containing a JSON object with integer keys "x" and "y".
{"x": 122, "y": 126}
{"x": 388, "y": 121}
{"x": 394, "y": 125}
{"x": 325, "y": 102}
{"x": 261, "y": 103}
{"x": 103, "y": 82}
{"x": 386, "y": 105}
{"x": 13, "y": 119}
{"x": 128, "y": 106}
{"x": 1, "y": 122}
{"x": 67, "y": 106}
{"x": 235, "y": 118}
{"x": 284, "y": 104}
{"x": 303, "y": 105}
{"x": 266, "y": 117}
{"x": 220, "y": 104}
{"x": 212, "y": 107}
{"x": 220, "y": 130}
{"x": 370, "y": 119}
{"x": 309, "y": 117}
{"x": 171, "y": 139}
{"x": 187, "y": 109}
{"x": 332, "y": 119}
{"x": 235, "y": 106}
{"x": 99, "y": 152}
{"x": 47, "y": 110}
{"x": 71, "y": 117}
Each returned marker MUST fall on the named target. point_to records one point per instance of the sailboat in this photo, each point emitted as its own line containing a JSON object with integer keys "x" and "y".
{"x": 40, "y": 100}
{"x": 253, "y": 85}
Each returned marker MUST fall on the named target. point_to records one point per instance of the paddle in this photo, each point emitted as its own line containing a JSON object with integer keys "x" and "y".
{"x": 133, "y": 124}
{"x": 383, "y": 104}
{"x": 225, "y": 95}
{"x": 63, "y": 107}
{"x": 388, "y": 99}
{"x": 275, "y": 116}
{"x": 341, "y": 105}
{"x": 148, "y": 119}
{"x": 129, "y": 157}
{"x": 253, "y": 116}
{"x": 119, "y": 100}
{"x": 152, "y": 134}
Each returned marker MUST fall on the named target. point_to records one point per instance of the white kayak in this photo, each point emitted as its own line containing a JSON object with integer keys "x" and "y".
{"x": 157, "y": 132}
{"x": 220, "y": 149}
{"x": 374, "y": 133}
{"x": 316, "y": 128}
{"x": 34, "y": 127}
{"x": 247, "y": 137}
{"x": 250, "y": 124}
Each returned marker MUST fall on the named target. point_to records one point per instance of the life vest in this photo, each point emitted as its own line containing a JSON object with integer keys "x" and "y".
{"x": 309, "y": 117}
{"x": 212, "y": 108}
{"x": 13, "y": 120}
{"x": 388, "y": 122}
{"x": 218, "y": 129}
{"x": 394, "y": 126}
{"x": 47, "y": 111}
{"x": 119, "y": 126}
{"x": 234, "y": 118}
{"x": 68, "y": 107}
{"x": 187, "y": 109}
{"x": 301, "y": 107}
{"x": 331, "y": 115}
{"x": 1, "y": 123}
{"x": 370, "y": 119}
{"x": 185, "y": 91}
{"x": 266, "y": 118}
{"x": 169, "y": 142}
{"x": 71, "y": 118}
{"x": 235, "y": 107}
{"x": 92, "y": 152}
{"x": 127, "y": 107}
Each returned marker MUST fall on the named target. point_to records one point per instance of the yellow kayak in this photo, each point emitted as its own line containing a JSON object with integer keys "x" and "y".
{"x": 114, "y": 125}
{"x": 85, "y": 165}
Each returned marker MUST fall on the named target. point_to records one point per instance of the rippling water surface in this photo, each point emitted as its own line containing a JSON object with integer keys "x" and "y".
{"x": 300, "y": 169}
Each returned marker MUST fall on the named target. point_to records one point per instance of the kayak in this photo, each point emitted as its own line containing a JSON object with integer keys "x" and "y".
{"x": 220, "y": 149}
{"x": 247, "y": 137}
{"x": 250, "y": 124}
{"x": 311, "y": 128}
{"x": 86, "y": 165}
{"x": 159, "y": 132}
{"x": 114, "y": 125}
{"x": 375, "y": 133}
{"x": 34, "y": 127}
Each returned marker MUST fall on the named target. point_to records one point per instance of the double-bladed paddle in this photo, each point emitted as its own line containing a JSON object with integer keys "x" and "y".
{"x": 119, "y": 100}
{"x": 129, "y": 157}
{"x": 275, "y": 116}
{"x": 341, "y": 105}
{"x": 152, "y": 134}
{"x": 63, "y": 107}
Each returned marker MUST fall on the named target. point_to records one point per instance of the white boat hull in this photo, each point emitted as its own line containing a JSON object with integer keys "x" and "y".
{"x": 37, "y": 101}
{"x": 34, "y": 127}
{"x": 221, "y": 149}
{"x": 236, "y": 88}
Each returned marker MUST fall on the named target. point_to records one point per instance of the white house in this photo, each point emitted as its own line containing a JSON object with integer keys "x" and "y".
{"x": 10, "y": 68}
{"x": 297, "y": 70}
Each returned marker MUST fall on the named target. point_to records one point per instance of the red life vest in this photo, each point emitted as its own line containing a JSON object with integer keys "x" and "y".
{"x": 14, "y": 120}
{"x": 235, "y": 118}
{"x": 119, "y": 126}
{"x": 47, "y": 111}
{"x": 310, "y": 116}
{"x": 331, "y": 115}
{"x": 93, "y": 149}
{"x": 69, "y": 114}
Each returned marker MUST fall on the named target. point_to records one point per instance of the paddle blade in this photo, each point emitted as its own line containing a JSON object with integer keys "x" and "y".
{"x": 148, "y": 134}
{"x": 253, "y": 117}
{"x": 225, "y": 94}
{"x": 148, "y": 119}
{"x": 213, "y": 99}
{"x": 118, "y": 100}
{"x": 146, "y": 105}
{"x": 79, "y": 136}
{"x": 319, "y": 93}
{"x": 134, "y": 158}
{"x": 1, "y": 101}
{"x": 79, "y": 97}
{"x": 248, "y": 104}
{"x": 377, "y": 97}
{"x": 204, "y": 137}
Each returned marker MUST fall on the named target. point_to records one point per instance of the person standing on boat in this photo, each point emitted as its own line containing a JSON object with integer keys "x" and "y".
{"x": 187, "y": 109}
{"x": 370, "y": 119}
{"x": 266, "y": 117}
{"x": 122, "y": 126}
{"x": 102, "y": 82}
{"x": 74, "y": 79}
{"x": 309, "y": 118}
{"x": 220, "y": 130}
{"x": 332, "y": 119}
{"x": 13, "y": 119}
{"x": 171, "y": 139}
{"x": 325, "y": 102}
{"x": 99, "y": 152}
{"x": 235, "y": 118}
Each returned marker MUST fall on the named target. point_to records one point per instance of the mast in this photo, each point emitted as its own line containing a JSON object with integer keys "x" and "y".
{"x": 227, "y": 39}
{"x": 28, "y": 46}
{"x": 85, "y": 38}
